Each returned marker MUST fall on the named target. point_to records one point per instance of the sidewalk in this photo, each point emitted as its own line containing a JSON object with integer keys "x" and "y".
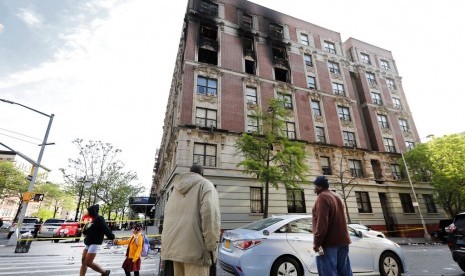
{"x": 410, "y": 241}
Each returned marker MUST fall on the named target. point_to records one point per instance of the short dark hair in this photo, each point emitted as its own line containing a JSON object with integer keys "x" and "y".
{"x": 197, "y": 168}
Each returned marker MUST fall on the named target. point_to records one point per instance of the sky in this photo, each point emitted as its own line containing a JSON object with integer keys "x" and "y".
{"x": 104, "y": 68}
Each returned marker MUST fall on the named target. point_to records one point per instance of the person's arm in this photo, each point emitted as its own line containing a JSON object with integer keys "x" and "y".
{"x": 140, "y": 242}
{"x": 322, "y": 221}
{"x": 210, "y": 216}
{"x": 106, "y": 230}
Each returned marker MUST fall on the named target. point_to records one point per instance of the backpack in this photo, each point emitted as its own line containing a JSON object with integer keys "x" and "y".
{"x": 145, "y": 246}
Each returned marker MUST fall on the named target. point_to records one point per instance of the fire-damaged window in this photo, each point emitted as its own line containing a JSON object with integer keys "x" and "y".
{"x": 249, "y": 54}
{"x": 209, "y": 8}
{"x": 281, "y": 73}
{"x": 276, "y": 30}
{"x": 208, "y": 45}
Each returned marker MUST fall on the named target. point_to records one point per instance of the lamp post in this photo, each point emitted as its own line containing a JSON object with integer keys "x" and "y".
{"x": 36, "y": 167}
{"x": 86, "y": 183}
{"x": 426, "y": 235}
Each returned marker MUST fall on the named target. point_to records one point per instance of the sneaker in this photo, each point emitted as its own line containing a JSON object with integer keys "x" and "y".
{"x": 106, "y": 273}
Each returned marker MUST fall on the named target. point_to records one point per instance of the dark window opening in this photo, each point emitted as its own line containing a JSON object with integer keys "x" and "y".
{"x": 209, "y": 8}
{"x": 208, "y": 32}
{"x": 250, "y": 67}
{"x": 279, "y": 52}
{"x": 280, "y": 74}
{"x": 377, "y": 171}
{"x": 276, "y": 30}
{"x": 207, "y": 56}
{"x": 295, "y": 201}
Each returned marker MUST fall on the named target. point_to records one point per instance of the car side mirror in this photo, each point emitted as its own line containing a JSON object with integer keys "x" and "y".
{"x": 368, "y": 228}
{"x": 359, "y": 233}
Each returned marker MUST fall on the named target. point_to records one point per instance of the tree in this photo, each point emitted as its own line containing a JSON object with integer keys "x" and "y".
{"x": 442, "y": 162}
{"x": 346, "y": 181}
{"x": 55, "y": 198}
{"x": 12, "y": 180}
{"x": 268, "y": 153}
{"x": 97, "y": 161}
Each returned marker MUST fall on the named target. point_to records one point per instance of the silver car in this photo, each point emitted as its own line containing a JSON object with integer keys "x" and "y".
{"x": 367, "y": 230}
{"x": 50, "y": 228}
{"x": 282, "y": 245}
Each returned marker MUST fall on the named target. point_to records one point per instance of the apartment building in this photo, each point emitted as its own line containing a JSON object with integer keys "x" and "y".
{"x": 348, "y": 107}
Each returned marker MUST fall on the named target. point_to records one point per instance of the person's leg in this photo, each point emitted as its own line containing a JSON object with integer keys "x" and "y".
{"x": 89, "y": 261}
{"x": 127, "y": 273}
{"x": 136, "y": 273}
{"x": 83, "y": 270}
{"x": 179, "y": 269}
{"x": 191, "y": 269}
{"x": 343, "y": 262}
{"x": 326, "y": 264}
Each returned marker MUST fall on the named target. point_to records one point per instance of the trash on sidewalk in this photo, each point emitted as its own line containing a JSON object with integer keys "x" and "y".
{"x": 24, "y": 243}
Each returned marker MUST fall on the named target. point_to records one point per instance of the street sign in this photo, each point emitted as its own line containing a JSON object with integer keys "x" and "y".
{"x": 38, "y": 197}
{"x": 27, "y": 196}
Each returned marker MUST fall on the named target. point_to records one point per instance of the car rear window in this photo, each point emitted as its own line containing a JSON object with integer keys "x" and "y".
{"x": 261, "y": 224}
{"x": 54, "y": 221}
{"x": 29, "y": 220}
{"x": 459, "y": 222}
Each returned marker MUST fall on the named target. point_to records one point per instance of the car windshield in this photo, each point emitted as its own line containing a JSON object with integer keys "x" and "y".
{"x": 460, "y": 221}
{"x": 54, "y": 221}
{"x": 29, "y": 220}
{"x": 261, "y": 224}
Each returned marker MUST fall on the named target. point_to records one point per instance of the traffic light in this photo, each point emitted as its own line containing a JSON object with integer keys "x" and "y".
{"x": 38, "y": 197}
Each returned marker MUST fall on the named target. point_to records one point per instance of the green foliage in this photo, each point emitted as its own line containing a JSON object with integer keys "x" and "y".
{"x": 55, "y": 197}
{"x": 12, "y": 180}
{"x": 442, "y": 162}
{"x": 43, "y": 213}
{"x": 268, "y": 153}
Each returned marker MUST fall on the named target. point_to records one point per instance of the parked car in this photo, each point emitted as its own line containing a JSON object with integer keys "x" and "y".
{"x": 50, "y": 228}
{"x": 70, "y": 229}
{"x": 456, "y": 239}
{"x": 29, "y": 225}
{"x": 283, "y": 243}
{"x": 443, "y": 230}
{"x": 6, "y": 224}
{"x": 367, "y": 230}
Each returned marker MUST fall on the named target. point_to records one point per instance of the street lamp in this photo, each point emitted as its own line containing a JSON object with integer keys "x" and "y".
{"x": 36, "y": 167}
{"x": 86, "y": 183}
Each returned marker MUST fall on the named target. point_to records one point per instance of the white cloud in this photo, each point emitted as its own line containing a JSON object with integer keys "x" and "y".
{"x": 30, "y": 17}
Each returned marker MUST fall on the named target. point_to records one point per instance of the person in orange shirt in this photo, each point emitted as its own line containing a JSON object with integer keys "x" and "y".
{"x": 132, "y": 261}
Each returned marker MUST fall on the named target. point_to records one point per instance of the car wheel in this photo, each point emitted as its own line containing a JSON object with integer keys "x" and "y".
{"x": 390, "y": 265}
{"x": 462, "y": 265}
{"x": 287, "y": 266}
{"x": 56, "y": 241}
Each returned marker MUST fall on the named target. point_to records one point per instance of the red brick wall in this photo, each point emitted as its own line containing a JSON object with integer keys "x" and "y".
{"x": 232, "y": 103}
{"x": 324, "y": 81}
{"x": 188, "y": 96}
{"x": 231, "y": 55}
{"x": 306, "y": 126}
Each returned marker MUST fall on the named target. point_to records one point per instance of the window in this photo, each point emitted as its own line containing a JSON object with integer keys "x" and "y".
{"x": 383, "y": 121}
{"x": 308, "y": 60}
{"x": 391, "y": 84}
{"x": 252, "y": 124}
{"x": 251, "y": 95}
{"x": 278, "y": 52}
{"x": 295, "y": 201}
{"x": 320, "y": 135}
{"x": 371, "y": 78}
{"x": 403, "y": 125}
{"x": 409, "y": 145}
{"x": 344, "y": 113}
{"x": 205, "y": 117}
{"x": 276, "y": 30}
{"x": 363, "y": 202}
{"x": 396, "y": 103}
{"x": 304, "y": 39}
{"x": 338, "y": 89}
{"x": 209, "y": 32}
{"x": 206, "y": 86}
{"x": 287, "y": 100}
{"x": 208, "y": 46}
{"x": 349, "y": 139}
{"x": 290, "y": 130}
{"x": 316, "y": 108}
{"x": 209, "y": 8}
{"x": 247, "y": 20}
{"x": 280, "y": 74}
{"x": 406, "y": 202}
{"x": 256, "y": 200}
{"x": 376, "y": 98}
{"x": 311, "y": 82}
{"x": 389, "y": 144}
{"x": 334, "y": 68}
{"x": 385, "y": 64}
{"x": 205, "y": 154}
{"x": 330, "y": 47}
{"x": 301, "y": 226}
{"x": 396, "y": 173}
{"x": 249, "y": 66}
{"x": 355, "y": 167}
{"x": 429, "y": 202}
{"x": 325, "y": 165}
{"x": 365, "y": 58}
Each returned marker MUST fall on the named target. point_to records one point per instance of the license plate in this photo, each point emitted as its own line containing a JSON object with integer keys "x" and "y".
{"x": 227, "y": 244}
{"x": 50, "y": 229}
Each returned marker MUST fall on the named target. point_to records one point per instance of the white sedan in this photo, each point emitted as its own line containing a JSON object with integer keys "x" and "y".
{"x": 367, "y": 230}
{"x": 282, "y": 245}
